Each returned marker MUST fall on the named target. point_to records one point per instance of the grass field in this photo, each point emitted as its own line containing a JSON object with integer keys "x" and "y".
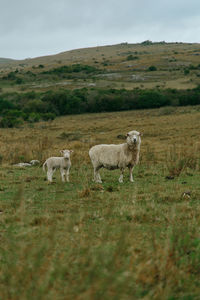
{"x": 82, "y": 240}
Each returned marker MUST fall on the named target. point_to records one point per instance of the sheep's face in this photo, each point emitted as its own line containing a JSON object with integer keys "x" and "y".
{"x": 66, "y": 153}
{"x": 133, "y": 138}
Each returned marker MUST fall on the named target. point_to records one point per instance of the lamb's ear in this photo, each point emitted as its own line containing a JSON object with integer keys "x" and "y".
{"x": 140, "y": 134}
{"x": 61, "y": 151}
{"x": 71, "y": 151}
{"x": 127, "y": 134}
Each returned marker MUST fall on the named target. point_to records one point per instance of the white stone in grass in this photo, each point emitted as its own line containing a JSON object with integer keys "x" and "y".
{"x": 22, "y": 165}
{"x": 34, "y": 162}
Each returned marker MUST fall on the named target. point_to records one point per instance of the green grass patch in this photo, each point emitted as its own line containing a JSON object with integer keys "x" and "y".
{"x": 82, "y": 240}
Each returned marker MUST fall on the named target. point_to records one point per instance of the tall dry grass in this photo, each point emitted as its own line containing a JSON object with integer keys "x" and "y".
{"x": 179, "y": 159}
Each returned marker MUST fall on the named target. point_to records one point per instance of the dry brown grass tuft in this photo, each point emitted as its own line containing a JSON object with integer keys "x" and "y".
{"x": 85, "y": 192}
{"x": 179, "y": 158}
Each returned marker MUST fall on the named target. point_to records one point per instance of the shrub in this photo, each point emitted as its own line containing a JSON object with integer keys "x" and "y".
{"x": 152, "y": 68}
{"x": 152, "y": 99}
{"x": 10, "y": 122}
{"x": 19, "y": 80}
{"x": 131, "y": 57}
{"x": 147, "y": 42}
{"x": 76, "y": 68}
{"x": 34, "y": 117}
{"x": 186, "y": 71}
{"x": 48, "y": 116}
{"x": 13, "y": 113}
{"x": 5, "y": 104}
{"x": 11, "y": 76}
{"x": 37, "y": 106}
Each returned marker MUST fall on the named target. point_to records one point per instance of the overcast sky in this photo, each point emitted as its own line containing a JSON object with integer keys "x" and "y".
{"x": 31, "y": 28}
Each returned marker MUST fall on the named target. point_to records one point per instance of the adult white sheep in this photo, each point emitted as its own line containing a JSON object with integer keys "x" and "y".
{"x": 62, "y": 163}
{"x": 116, "y": 156}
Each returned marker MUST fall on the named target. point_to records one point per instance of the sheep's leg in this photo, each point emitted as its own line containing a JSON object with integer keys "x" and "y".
{"x": 131, "y": 173}
{"x": 50, "y": 175}
{"x": 121, "y": 176}
{"x": 97, "y": 177}
{"x": 62, "y": 173}
{"x": 67, "y": 175}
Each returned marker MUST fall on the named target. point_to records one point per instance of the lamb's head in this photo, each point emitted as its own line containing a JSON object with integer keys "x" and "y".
{"x": 133, "y": 138}
{"x": 66, "y": 153}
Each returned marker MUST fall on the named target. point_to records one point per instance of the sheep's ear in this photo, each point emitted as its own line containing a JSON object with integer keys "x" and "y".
{"x": 140, "y": 134}
{"x": 71, "y": 151}
{"x": 61, "y": 151}
{"x": 127, "y": 134}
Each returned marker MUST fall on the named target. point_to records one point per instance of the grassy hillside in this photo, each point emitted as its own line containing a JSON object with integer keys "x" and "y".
{"x": 83, "y": 240}
{"x": 6, "y": 60}
{"x": 145, "y": 65}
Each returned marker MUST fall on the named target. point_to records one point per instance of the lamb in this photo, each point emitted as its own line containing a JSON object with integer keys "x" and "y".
{"x": 62, "y": 163}
{"x": 117, "y": 156}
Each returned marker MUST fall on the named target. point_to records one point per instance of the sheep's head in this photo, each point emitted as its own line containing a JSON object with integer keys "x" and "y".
{"x": 133, "y": 138}
{"x": 66, "y": 153}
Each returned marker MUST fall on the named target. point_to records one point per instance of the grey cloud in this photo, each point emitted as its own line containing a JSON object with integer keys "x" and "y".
{"x": 34, "y": 28}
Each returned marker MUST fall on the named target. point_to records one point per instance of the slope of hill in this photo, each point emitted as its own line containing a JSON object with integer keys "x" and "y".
{"x": 6, "y": 60}
{"x": 145, "y": 65}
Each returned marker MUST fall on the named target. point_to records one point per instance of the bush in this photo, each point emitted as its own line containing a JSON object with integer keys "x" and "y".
{"x": 152, "y": 99}
{"x": 76, "y": 68}
{"x": 37, "y": 106}
{"x": 147, "y": 42}
{"x": 10, "y": 122}
{"x": 14, "y": 113}
{"x": 48, "y": 116}
{"x": 186, "y": 71}
{"x": 34, "y": 117}
{"x": 131, "y": 57}
{"x": 19, "y": 80}
{"x": 11, "y": 76}
{"x": 5, "y": 104}
{"x": 152, "y": 68}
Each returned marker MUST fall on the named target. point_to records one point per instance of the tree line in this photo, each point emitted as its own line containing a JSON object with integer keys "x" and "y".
{"x": 16, "y": 108}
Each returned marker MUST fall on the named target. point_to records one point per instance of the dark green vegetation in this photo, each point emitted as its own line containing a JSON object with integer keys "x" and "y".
{"x": 32, "y": 107}
{"x": 64, "y": 72}
{"x": 175, "y": 65}
{"x": 110, "y": 78}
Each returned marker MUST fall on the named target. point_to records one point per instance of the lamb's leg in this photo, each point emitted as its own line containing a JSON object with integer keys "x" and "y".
{"x": 67, "y": 175}
{"x": 122, "y": 175}
{"x": 131, "y": 173}
{"x": 50, "y": 175}
{"x": 62, "y": 173}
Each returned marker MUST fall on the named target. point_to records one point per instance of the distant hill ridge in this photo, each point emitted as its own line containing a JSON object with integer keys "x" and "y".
{"x": 84, "y": 55}
{"x": 143, "y": 65}
{"x": 6, "y": 60}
